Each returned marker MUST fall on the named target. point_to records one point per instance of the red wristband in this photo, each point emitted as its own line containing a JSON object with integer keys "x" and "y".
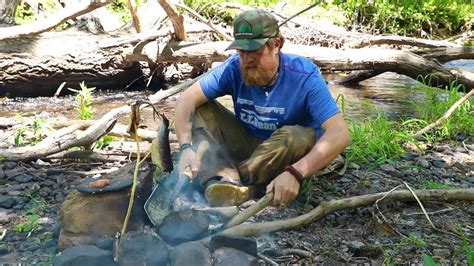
{"x": 295, "y": 173}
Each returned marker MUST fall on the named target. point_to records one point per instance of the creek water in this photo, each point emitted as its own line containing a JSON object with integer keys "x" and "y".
{"x": 390, "y": 93}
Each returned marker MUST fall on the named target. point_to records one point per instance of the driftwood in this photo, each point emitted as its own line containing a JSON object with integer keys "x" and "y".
{"x": 51, "y": 22}
{"x": 202, "y": 19}
{"x": 444, "y": 55}
{"x": 36, "y": 66}
{"x": 328, "y": 59}
{"x": 401, "y": 40}
{"x": 326, "y": 208}
{"x": 71, "y": 137}
{"x": 176, "y": 19}
{"x": 132, "y": 7}
{"x": 445, "y": 115}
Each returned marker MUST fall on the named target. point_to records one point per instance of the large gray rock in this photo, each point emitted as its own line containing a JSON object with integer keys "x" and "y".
{"x": 84, "y": 255}
{"x": 245, "y": 244}
{"x": 141, "y": 249}
{"x": 191, "y": 253}
{"x": 87, "y": 217}
{"x": 7, "y": 202}
{"x": 182, "y": 226}
{"x": 230, "y": 256}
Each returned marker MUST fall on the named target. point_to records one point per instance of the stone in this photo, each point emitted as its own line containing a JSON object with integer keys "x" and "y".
{"x": 441, "y": 252}
{"x": 2, "y": 173}
{"x": 88, "y": 217}
{"x": 182, "y": 226}
{"x": 423, "y": 163}
{"x": 4, "y": 249}
{"x": 5, "y": 215}
{"x": 7, "y": 202}
{"x": 191, "y": 253}
{"x": 106, "y": 243}
{"x": 84, "y": 255}
{"x": 355, "y": 245}
{"x": 387, "y": 168}
{"x": 30, "y": 244}
{"x": 23, "y": 178}
{"x": 440, "y": 164}
{"x": 245, "y": 244}
{"x": 229, "y": 256}
{"x": 143, "y": 249}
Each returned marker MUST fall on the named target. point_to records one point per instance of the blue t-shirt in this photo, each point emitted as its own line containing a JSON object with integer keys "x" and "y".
{"x": 299, "y": 96}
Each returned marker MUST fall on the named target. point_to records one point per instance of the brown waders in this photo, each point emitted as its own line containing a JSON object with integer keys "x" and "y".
{"x": 236, "y": 155}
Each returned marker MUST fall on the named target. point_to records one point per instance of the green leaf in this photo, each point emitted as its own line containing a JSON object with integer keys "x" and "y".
{"x": 428, "y": 261}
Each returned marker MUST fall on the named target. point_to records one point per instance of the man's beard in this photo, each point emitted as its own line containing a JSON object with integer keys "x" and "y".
{"x": 260, "y": 75}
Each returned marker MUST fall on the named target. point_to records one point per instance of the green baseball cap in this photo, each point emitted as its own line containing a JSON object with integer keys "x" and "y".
{"x": 252, "y": 29}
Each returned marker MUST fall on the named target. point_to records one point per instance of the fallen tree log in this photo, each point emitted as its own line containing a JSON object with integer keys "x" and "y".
{"x": 36, "y": 66}
{"x": 326, "y": 208}
{"x": 368, "y": 59}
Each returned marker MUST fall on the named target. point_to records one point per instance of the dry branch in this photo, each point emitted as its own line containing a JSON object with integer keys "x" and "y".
{"x": 401, "y": 40}
{"x": 132, "y": 7}
{"x": 202, "y": 19}
{"x": 51, "y": 22}
{"x": 326, "y": 208}
{"x": 445, "y": 116}
{"x": 175, "y": 18}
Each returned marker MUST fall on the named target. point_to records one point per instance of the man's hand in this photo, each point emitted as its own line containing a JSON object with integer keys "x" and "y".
{"x": 285, "y": 188}
{"x": 188, "y": 163}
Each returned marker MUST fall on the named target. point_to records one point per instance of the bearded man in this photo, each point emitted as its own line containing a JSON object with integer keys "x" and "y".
{"x": 286, "y": 125}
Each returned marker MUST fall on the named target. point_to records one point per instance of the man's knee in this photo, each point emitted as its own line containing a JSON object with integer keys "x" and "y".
{"x": 295, "y": 137}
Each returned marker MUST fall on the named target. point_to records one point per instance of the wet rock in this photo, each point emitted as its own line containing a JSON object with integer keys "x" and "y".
{"x": 7, "y": 202}
{"x": 2, "y": 173}
{"x": 229, "y": 256}
{"x": 245, "y": 244}
{"x": 191, "y": 253}
{"x": 441, "y": 252}
{"x": 142, "y": 249}
{"x": 84, "y": 255}
{"x": 440, "y": 164}
{"x": 4, "y": 249}
{"x": 183, "y": 226}
{"x": 5, "y": 215}
{"x": 23, "y": 178}
{"x": 9, "y": 165}
{"x": 369, "y": 251}
{"x": 6, "y": 189}
{"x": 423, "y": 163}
{"x": 30, "y": 244}
{"x": 106, "y": 243}
{"x": 470, "y": 179}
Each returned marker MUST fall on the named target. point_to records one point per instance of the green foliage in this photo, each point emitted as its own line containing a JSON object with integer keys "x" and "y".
{"x": 83, "y": 102}
{"x": 428, "y": 260}
{"x": 28, "y": 136}
{"x": 468, "y": 249}
{"x": 120, "y": 8}
{"x": 407, "y": 17}
{"x": 375, "y": 140}
{"x": 19, "y": 134}
{"x": 25, "y": 13}
{"x": 435, "y": 104}
{"x": 29, "y": 225}
{"x": 431, "y": 184}
{"x": 414, "y": 240}
{"x": 103, "y": 142}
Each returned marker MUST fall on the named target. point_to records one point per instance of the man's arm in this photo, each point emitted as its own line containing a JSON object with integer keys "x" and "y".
{"x": 335, "y": 139}
{"x": 185, "y": 108}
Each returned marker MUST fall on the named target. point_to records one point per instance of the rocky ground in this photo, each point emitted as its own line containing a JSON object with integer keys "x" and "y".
{"x": 32, "y": 192}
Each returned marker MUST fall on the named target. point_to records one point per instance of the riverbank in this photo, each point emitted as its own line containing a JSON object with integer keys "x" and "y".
{"x": 31, "y": 194}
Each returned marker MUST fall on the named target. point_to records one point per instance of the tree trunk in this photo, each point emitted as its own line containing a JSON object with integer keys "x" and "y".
{"x": 8, "y": 10}
{"x": 176, "y": 19}
{"x": 37, "y": 66}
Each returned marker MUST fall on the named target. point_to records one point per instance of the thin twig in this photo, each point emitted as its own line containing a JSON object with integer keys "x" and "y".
{"x": 421, "y": 205}
{"x": 4, "y": 233}
{"x": 433, "y": 212}
{"x": 267, "y": 260}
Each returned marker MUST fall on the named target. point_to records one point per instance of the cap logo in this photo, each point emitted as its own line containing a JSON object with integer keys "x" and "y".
{"x": 245, "y": 29}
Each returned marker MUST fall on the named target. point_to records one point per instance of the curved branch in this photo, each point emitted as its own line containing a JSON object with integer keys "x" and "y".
{"x": 51, "y": 22}
{"x": 326, "y": 208}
